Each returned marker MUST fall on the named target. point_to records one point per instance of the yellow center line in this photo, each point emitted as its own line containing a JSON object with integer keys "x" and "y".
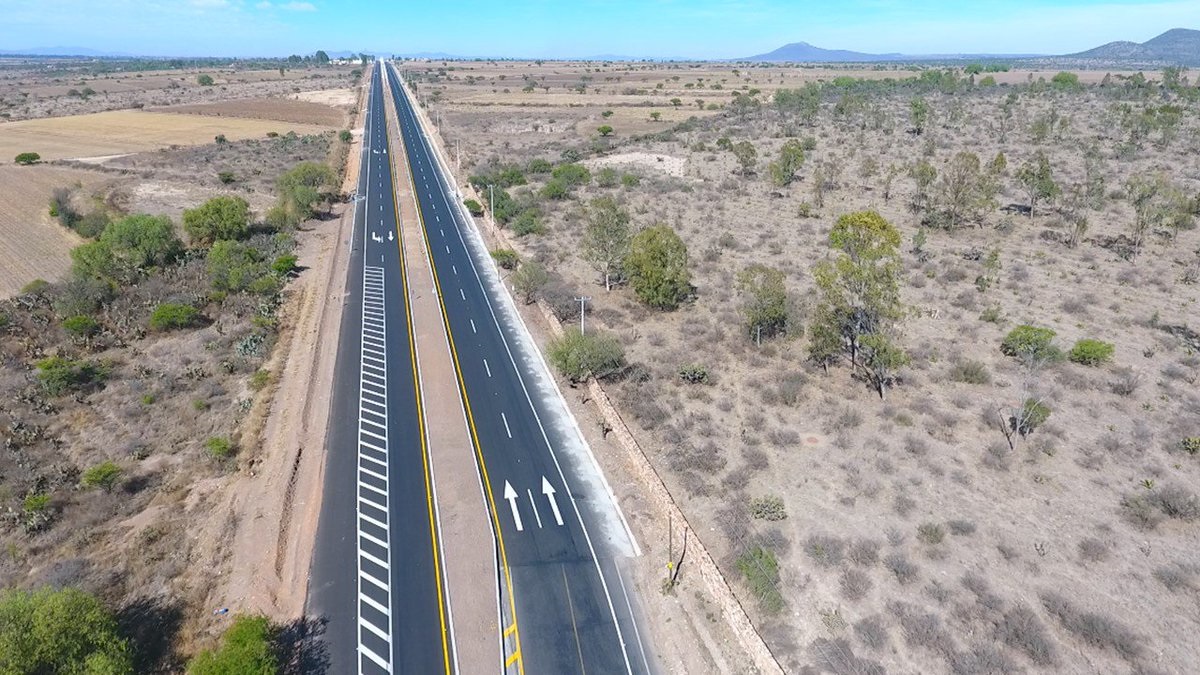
{"x": 462, "y": 390}
{"x": 412, "y": 351}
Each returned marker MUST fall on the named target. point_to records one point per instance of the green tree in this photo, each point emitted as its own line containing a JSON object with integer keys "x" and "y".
{"x": 579, "y": 356}
{"x": 918, "y": 113}
{"x": 606, "y": 239}
{"x": 572, "y": 174}
{"x": 299, "y": 190}
{"x": 234, "y": 266}
{"x": 1036, "y": 176}
{"x": 1064, "y": 81}
{"x": 321, "y": 58}
{"x": 66, "y": 632}
{"x": 923, "y": 175}
{"x": 604, "y": 130}
{"x": 1030, "y": 343}
{"x": 529, "y": 280}
{"x": 81, "y": 326}
{"x": 859, "y": 309}
{"x": 218, "y": 218}
{"x": 746, "y": 155}
{"x": 765, "y": 301}
{"x": 104, "y": 476}
{"x": 804, "y": 102}
{"x": 657, "y": 265}
{"x": 27, "y": 158}
{"x": 963, "y": 192}
{"x": 791, "y": 158}
{"x": 247, "y": 648}
{"x": 204, "y": 80}
{"x": 142, "y": 241}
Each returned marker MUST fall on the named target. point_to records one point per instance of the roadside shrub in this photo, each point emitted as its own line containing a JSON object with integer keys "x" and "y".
{"x": 527, "y": 222}
{"x": 579, "y": 356}
{"x": 60, "y": 631}
{"x": 1030, "y": 342}
{"x": 218, "y": 218}
{"x": 1091, "y": 352}
{"x": 219, "y": 447}
{"x": 247, "y": 648}
{"x": 769, "y": 508}
{"x": 572, "y": 175}
{"x": 81, "y": 325}
{"x": 104, "y": 475}
{"x": 1095, "y": 629}
{"x": 473, "y": 207}
{"x": 694, "y": 374}
{"x": 529, "y": 280}
{"x": 59, "y": 375}
{"x": 554, "y": 189}
{"x": 345, "y": 136}
{"x": 970, "y": 372}
{"x": 234, "y": 266}
{"x": 761, "y": 570}
{"x": 506, "y": 258}
{"x": 27, "y": 158}
{"x": 284, "y": 265}
{"x": 259, "y": 379}
{"x": 173, "y": 316}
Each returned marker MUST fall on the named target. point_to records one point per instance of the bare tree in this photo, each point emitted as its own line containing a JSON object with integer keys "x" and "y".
{"x": 606, "y": 239}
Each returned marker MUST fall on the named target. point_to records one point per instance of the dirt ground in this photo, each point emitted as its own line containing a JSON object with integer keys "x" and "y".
{"x": 126, "y": 131}
{"x": 33, "y": 245}
{"x": 914, "y": 539}
{"x": 275, "y": 109}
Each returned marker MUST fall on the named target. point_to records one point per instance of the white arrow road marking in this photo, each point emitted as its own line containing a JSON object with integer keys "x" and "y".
{"x": 536, "y": 515}
{"x": 511, "y": 495}
{"x": 548, "y": 490}
{"x": 390, "y": 235}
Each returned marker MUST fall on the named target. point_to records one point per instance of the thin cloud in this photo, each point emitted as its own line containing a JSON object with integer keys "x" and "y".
{"x": 299, "y": 6}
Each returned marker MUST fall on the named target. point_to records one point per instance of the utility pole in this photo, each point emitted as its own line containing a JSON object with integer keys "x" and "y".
{"x": 582, "y": 300}
{"x": 492, "y": 202}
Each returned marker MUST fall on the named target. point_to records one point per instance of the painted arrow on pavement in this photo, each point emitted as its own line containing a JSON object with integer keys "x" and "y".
{"x": 511, "y": 495}
{"x": 548, "y": 490}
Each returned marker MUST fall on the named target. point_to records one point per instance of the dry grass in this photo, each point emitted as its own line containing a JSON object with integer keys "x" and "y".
{"x": 125, "y": 131}
{"x": 274, "y": 109}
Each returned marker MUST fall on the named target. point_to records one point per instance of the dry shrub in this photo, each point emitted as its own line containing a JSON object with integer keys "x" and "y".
{"x": 982, "y": 659}
{"x": 1021, "y": 629}
{"x": 961, "y": 528}
{"x": 865, "y": 552}
{"x": 1095, "y": 629}
{"x": 1177, "y": 577}
{"x": 855, "y": 584}
{"x": 922, "y": 629}
{"x": 906, "y": 572}
{"x": 903, "y": 505}
{"x": 871, "y": 632}
{"x": 1092, "y": 549}
{"x": 825, "y": 550}
{"x": 837, "y": 657}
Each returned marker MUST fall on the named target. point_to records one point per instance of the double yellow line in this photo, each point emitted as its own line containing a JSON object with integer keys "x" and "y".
{"x": 412, "y": 352}
{"x": 462, "y": 390}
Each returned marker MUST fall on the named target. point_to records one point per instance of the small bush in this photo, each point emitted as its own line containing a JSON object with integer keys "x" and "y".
{"x": 607, "y": 177}
{"x": 506, "y": 258}
{"x": 529, "y": 281}
{"x": 1034, "y": 413}
{"x": 871, "y": 632}
{"x": 60, "y": 631}
{"x": 768, "y": 508}
{"x": 1030, "y": 342}
{"x": 219, "y": 447}
{"x": 1190, "y": 445}
{"x": 579, "y": 356}
{"x": 761, "y": 570}
{"x": 1095, "y": 629}
{"x": 1021, "y": 629}
{"x": 246, "y": 648}
{"x": 630, "y": 180}
{"x": 961, "y": 528}
{"x": 81, "y": 325}
{"x": 970, "y": 372}
{"x": 284, "y": 265}
{"x": 27, "y": 158}
{"x": 865, "y": 552}
{"x": 554, "y": 189}
{"x": 1091, "y": 352}
{"x": 694, "y": 374}
{"x": 474, "y": 207}
{"x": 259, "y": 379}
{"x": 572, "y": 175}
{"x": 855, "y": 584}
{"x": 345, "y": 136}
{"x": 204, "y": 80}
{"x": 226, "y": 177}
{"x": 35, "y": 287}
{"x": 931, "y": 533}
{"x": 173, "y": 316}
{"x": 104, "y": 475}
{"x": 538, "y": 166}
{"x": 1176, "y": 501}
{"x": 59, "y": 375}
{"x": 527, "y": 222}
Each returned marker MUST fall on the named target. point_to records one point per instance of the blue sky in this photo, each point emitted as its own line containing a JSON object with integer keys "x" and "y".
{"x": 546, "y": 28}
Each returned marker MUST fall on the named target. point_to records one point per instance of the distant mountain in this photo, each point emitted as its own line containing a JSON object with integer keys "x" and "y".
{"x": 804, "y": 52}
{"x": 1178, "y": 46}
{"x": 62, "y": 51}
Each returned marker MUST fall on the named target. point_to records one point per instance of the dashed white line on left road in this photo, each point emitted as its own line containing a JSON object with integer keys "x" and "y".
{"x": 506, "y": 429}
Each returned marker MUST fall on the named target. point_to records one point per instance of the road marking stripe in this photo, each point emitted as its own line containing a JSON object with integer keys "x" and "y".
{"x": 506, "y": 429}
{"x": 487, "y": 367}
